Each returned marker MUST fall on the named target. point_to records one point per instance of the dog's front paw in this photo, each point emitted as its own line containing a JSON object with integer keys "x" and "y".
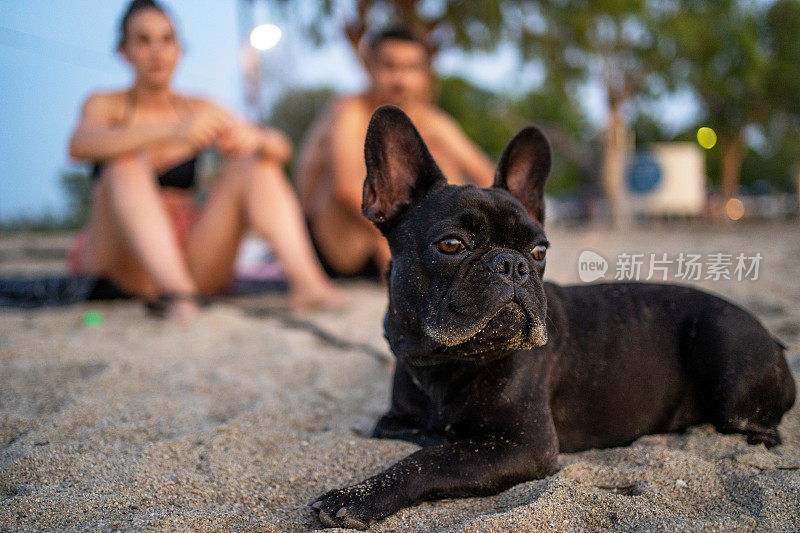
{"x": 390, "y": 427}
{"x": 355, "y": 507}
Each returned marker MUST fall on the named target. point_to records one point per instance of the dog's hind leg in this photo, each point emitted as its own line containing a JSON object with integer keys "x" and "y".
{"x": 757, "y": 434}
{"x": 742, "y": 382}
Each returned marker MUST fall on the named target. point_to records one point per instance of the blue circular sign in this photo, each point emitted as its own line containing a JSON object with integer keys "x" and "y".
{"x": 644, "y": 174}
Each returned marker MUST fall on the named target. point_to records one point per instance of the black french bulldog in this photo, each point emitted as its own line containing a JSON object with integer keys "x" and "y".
{"x": 498, "y": 371}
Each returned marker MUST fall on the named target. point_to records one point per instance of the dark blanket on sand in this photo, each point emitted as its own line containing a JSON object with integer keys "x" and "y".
{"x": 57, "y": 291}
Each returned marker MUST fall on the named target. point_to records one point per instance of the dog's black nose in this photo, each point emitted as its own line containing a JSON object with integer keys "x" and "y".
{"x": 511, "y": 267}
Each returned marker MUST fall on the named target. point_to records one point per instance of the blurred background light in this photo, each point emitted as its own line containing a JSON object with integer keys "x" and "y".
{"x": 706, "y": 137}
{"x": 265, "y": 36}
{"x": 734, "y": 208}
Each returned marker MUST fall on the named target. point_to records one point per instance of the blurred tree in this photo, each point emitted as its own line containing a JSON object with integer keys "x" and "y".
{"x": 467, "y": 25}
{"x": 503, "y": 115}
{"x": 717, "y": 54}
{"x": 492, "y": 127}
{"x": 77, "y": 185}
{"x": 569, "y": 131}
{"x": 773, "y": 159}
{"x": 296, "y": 109}
{"x": 646, "y": 130}
{"x": 782, "y": 35}
{"x": 295, "y": 112}
{"x": 614, "y": 42}
{"x": 743, "y": 60}
{"x": 776, "y": 157}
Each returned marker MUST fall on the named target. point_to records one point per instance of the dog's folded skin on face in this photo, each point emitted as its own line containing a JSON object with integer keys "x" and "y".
{"x": 498, "y": 371}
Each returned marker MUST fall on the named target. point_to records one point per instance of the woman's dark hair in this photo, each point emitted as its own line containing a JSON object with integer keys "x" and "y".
{"x": 134, "y": 7}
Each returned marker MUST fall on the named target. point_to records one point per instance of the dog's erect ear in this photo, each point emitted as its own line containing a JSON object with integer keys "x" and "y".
{"x": 523, "y": 170}
{"x": 400, "y": 169}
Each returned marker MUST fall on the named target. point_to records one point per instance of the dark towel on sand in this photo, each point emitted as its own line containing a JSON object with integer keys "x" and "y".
{"x": 55, "y": 291}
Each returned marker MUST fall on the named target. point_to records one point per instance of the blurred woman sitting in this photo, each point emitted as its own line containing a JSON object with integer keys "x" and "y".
{"x": 146, "y": 234}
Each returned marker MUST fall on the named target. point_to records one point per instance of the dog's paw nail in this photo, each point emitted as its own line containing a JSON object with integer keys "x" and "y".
{"x": 317, "y": 504}
{"x": 341, "y": 512}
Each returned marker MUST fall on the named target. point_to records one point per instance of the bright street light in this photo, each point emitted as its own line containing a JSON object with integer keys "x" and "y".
{"x": 265, "y": 36}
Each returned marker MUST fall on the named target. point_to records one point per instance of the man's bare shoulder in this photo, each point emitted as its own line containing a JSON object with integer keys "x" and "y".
{"x": 351, "y": 108}
{"x": 106, "y": 98}
{"x": 351, "y": 102}
{"x": 440, "y": 117}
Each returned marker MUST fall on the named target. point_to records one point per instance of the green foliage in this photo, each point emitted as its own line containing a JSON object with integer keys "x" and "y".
{"x": 296, "y": 109}
{"x": 77, "y": 184}
{"x": 614, "y": 41}
{"x": 295, "y": 112}
{"x": 777, "y": 160}
{"x": 502, "y": 116}
{"x": 742, "y": 59}
{"x": 782, "y": 38}
{"x": 717, "y": 52}
{"x": 43, "y": 223}
{"x": 569, "y": 132}
{"x": 467, "y": 25}
{"x": 492, "y": 127}
{"x": 647, "y": 130}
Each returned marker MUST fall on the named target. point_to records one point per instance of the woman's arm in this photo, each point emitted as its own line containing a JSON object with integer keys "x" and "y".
{"x": 275, "y": 145}
{"x": 95, "y": 139}
{"x": 244, "y": 138}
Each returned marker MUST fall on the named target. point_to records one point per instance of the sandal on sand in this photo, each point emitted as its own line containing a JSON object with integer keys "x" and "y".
{"x": 159, "y": 307}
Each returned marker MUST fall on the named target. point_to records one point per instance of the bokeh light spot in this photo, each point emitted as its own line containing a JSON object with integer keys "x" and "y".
{"x": 706, "y": 137}
{"x": 265, "y": 36}
{"x": 734, "y": 208}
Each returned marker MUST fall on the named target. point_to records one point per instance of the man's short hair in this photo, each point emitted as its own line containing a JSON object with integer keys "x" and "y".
{"x": 398, "y": 33}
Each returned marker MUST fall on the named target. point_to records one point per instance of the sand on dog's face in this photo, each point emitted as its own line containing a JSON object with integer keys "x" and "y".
{"x": 237, "y": 422}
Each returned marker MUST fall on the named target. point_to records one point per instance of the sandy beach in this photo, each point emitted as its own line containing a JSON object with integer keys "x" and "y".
{"x": 238, "y": 420}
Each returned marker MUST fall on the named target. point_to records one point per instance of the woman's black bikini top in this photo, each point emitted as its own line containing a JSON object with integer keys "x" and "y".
{"x": 181, "y": 176}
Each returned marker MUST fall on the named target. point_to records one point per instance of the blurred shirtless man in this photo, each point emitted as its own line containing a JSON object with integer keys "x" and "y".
{"x": 330, "y": 175}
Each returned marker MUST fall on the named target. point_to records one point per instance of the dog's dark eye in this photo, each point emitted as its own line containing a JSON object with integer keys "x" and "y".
{"x": 539, "y": 252}
{"x": 451, "y": 246}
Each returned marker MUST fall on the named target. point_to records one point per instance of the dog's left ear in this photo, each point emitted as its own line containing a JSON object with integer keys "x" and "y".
{"x": 400, "y": 169}
{"x": 523, "y": 170}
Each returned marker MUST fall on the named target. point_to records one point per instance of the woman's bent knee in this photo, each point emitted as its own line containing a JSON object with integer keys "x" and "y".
{"x": 246, "y": 170}
{"x": 127, "y": 164}
{"x": 252, "y": 165}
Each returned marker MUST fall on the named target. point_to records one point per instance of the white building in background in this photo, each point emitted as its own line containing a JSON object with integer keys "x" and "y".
{"x": 670, "y": 179}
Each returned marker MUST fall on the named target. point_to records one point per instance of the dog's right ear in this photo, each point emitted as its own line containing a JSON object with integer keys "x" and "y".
{"x": 400, "y": 169}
